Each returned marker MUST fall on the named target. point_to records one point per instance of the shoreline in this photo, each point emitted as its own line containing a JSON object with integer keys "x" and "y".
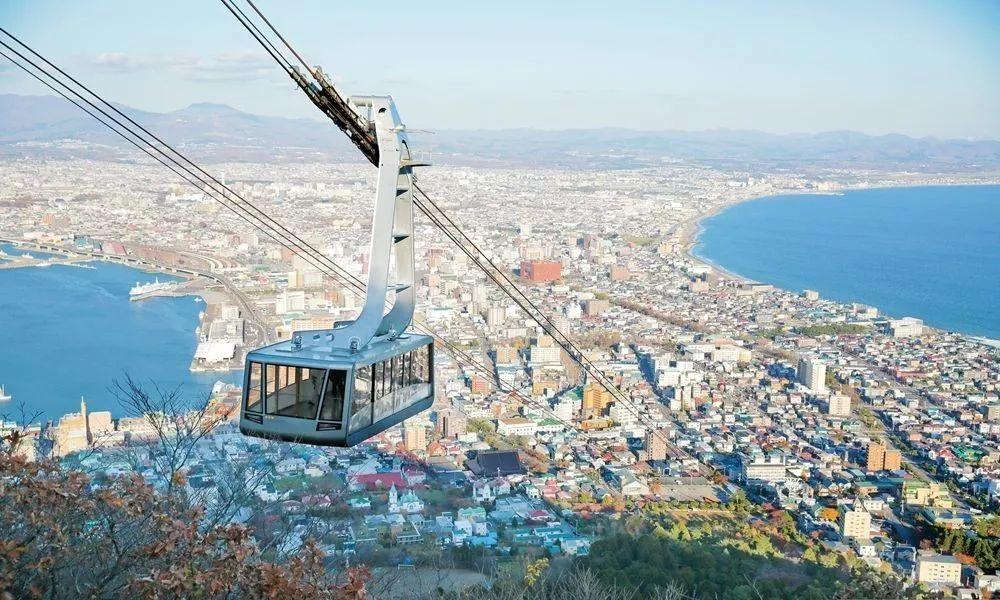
{"x": 691, "y": 231}
{"x": 194, "y": 283}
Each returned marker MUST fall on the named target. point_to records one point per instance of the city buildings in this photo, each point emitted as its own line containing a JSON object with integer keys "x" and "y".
{"x": 906, "y": 327}
{"x": 812, "y": 374}
{"x": 856, "y": 523}
{"x": 838, "y": 405}
{"x": 538, "y": 271}
{"x": 730, "y": 377}
{"x": 939, "y": 569}
{"x": 882, "y": 458}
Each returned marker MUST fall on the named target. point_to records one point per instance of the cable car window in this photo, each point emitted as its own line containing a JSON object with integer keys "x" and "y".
{"x": 398, "y": 391}
{"x": 390, "y": 366}
{"x": 397, "y": 373}
{"x": 383, "y": 403}
{"x": 361, "y": 402}
{"x": 333, "y": 399}
{"x": 377, "y": 380}
{"x": 419, "y": 364}
{"x": 270, "y": 379}
{"x": 254, "y": 403}
{"x": 425, "y": 366}
{"x": 297, "y": 393}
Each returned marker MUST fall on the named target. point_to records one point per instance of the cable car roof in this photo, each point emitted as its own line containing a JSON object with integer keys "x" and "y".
{"x": 317, "y": 352}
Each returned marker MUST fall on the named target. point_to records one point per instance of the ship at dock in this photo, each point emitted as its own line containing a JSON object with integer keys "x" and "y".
{"x": 142, "y": 289}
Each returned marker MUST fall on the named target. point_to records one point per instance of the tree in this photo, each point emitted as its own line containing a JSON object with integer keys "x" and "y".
{"x": 866, "y": 583}
{"x": 177, "y": 426}
{"x": 739, "y": 503}
{"x": 63, "y": 535}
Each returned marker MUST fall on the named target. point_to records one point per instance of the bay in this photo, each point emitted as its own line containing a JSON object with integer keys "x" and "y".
{"x": 68, "y": 332}
{"x": 929, "y": 252}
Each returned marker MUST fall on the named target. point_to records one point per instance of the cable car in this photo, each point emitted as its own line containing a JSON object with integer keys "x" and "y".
{"x": 342, "y": 386}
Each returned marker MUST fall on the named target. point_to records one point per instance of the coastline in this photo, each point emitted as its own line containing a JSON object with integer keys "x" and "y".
{"x": 195, "y": 283}
{"x": 692, "y": 230}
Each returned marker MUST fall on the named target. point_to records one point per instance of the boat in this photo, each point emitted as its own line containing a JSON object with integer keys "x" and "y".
{"x": 4, "y": 396}
{"x": 148, "y": 288}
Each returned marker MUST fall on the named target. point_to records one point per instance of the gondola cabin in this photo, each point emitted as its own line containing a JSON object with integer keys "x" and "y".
{"x": 302, "y": 391}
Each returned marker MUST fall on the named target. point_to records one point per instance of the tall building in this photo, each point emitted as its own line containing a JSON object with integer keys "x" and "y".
{"x": 566, "y": 407}
{"x": 655, "y": 446}
{"x": 414, "y": 436}
{"x": 540, "y": 270}
{"x": 906, "y": 327}
{"x": 77, "y": 431}
{"x": 893, "y": 460}
{"x": 619, "y": 273}
{"x": 595, "y": 306}
{"x": 595, "y": 400}
{"x": 506, "y": 355}
{"x": 452, "y": 423}
{"x": 496, "y": 315}
{"x": 839, "y": 405}
{"x": 757, "y": 467}
{"x": 480, "y": 385}
{"x": 883, "y": 458}
{"x": 856, "y": 523}
{"x": 812, "y": 374}
{"x": 876, "y": 457}
{"x": 939, "y": 568}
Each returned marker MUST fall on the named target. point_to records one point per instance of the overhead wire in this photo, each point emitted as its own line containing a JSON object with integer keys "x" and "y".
{"x": 286, "y": 239}
{"x": 480, "y": 258}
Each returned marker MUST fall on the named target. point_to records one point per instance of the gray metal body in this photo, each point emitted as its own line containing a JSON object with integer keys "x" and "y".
{"x": 375, "y": 336}
{"x": 405, "y": 400}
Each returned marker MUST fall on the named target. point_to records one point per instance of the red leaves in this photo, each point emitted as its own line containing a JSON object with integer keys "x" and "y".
{"x": 59, "y": 532}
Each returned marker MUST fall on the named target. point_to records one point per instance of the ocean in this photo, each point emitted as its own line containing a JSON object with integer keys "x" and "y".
{"x": 67, "y": 332}
{"x": 928, "y": 252}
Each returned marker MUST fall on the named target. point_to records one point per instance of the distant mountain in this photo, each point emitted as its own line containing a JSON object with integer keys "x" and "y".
{"x": 40, "y": 125}
{"x": 50, "y": 126}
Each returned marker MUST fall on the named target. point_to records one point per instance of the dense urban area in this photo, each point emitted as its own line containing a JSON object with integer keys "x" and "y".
{"x": 810, "y": 442}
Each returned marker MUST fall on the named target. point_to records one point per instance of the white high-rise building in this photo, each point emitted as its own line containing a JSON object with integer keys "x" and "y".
{"x": 839, "y": 405}
{"x": 906, "y": 327}
{"x": 812, "y": 374}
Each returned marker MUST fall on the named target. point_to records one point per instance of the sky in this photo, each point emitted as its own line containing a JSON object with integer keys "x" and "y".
{"x": 913, "y": 67}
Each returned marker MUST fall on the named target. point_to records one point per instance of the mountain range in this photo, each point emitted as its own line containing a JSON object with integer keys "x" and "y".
{"x": 47, "y": 126}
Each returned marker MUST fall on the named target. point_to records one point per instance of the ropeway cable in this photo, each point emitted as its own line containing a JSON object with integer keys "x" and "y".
{"x": 357, "y": 286}
{"x": 536, "y": 313}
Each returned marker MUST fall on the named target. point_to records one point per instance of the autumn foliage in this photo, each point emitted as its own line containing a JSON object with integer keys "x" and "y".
{"x": 65, "y": 535}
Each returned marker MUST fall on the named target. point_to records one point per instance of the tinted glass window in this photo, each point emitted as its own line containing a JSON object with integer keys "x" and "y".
{"x": 295, "y": 391}
{"x": 377, "y": 380}
{"x": 270, "y": 379}
{"x": 383, "y": 403}
{"x": 333, "y": 399}
{"x": 397, "y": 373}
{"x": 253, "y": 403}
{"x": 420, "y": 365}
{"x": 361, "y": 401}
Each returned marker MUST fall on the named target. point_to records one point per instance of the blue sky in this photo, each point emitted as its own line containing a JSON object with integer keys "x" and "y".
{"x": 919, "y": 68}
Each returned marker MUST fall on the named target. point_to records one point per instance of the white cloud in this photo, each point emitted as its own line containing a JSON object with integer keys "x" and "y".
{"x": 229, "y": 66}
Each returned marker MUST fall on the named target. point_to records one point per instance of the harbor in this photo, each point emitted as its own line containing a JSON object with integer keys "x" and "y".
{"x": 189, "y": 326}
